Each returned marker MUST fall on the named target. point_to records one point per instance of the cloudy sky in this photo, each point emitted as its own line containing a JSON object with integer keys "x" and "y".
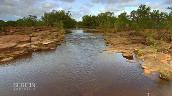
{"x": 15, "y": 9}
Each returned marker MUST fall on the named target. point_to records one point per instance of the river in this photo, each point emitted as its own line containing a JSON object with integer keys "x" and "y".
{"x": 79, "y": 67}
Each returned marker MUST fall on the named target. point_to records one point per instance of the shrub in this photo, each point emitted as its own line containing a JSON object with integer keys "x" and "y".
{"x": 165, "y": 72}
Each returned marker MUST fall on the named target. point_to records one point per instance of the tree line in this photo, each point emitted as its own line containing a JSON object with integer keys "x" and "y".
{"x": 142, "y": 18}
{"x": 55, "y": 18}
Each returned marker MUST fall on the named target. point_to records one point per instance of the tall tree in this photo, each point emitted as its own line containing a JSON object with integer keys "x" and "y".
{"x": 123, "y": 21}
{"x": 59, "y": 18}
{"x": 2, "y": 25}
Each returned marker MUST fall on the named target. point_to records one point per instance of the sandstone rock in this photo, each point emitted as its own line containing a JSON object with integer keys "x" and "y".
{"x": 14, "y": 38}
{"x": 12, "y": 46}
{"x": 11, "y": 41}
{"x": 7, "y": 59}
{"x": 7, "y": 45}
{"x": 152, "y": 57}
{"x": 25, "y": 45}
{"x": 46, "y": 42}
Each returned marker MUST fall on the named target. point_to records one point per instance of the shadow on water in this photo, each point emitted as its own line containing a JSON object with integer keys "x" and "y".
{"x": 128, "y": 57}
{"x": 26, "y": 57}
{"x": 79, "y": 67}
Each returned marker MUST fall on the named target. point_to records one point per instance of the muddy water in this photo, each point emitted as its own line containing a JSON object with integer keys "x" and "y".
{"x": 79, "y": 67}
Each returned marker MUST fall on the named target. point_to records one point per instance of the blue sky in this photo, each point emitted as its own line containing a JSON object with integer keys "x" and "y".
{"x": 15, "y": 9}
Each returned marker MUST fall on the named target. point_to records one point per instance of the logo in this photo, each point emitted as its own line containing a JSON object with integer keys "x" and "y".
{"x": 24, "y": 86}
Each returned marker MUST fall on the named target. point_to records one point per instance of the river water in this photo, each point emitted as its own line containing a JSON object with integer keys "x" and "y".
{"x": 79, "y": 67}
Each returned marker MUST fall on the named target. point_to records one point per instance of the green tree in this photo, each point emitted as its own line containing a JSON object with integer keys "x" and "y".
{"x": 169, "y": 23}
{"x": 123, "y": 22}
{"x": 158, "y": 19}
{"x": 2, "y": 25}
{"x": 102, "y": 20}
{"x": 142, "y": 16}
{"x": 89, "y": 21}
{"x": 27, "y": 21}
{"x": 11, "y": 23}
{"x": 106, "y": 20}
{"x": 59, "y": 19}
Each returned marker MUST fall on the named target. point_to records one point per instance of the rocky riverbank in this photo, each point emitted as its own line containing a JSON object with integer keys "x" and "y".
{"x": 15, "y": 44}
{"x": 155, "y": 59}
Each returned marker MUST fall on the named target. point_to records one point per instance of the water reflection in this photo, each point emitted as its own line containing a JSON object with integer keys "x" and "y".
{"x": 79, "y": 67}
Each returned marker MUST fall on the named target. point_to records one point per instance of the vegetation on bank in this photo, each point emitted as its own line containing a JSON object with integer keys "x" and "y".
{"x": 147, "y": 31}
{"x": 138, "y": 21}
{"x": 60, "y": 19}
{"x": 142, "y": 18}
{"x": 141, "y": 29}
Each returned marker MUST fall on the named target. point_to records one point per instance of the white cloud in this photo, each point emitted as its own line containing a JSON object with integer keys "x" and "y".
{"x": 67, "y": 0}
{"x": 14, "y": 9}
{"x": 21, "y": 8}
{"x": 111, "y": 1}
